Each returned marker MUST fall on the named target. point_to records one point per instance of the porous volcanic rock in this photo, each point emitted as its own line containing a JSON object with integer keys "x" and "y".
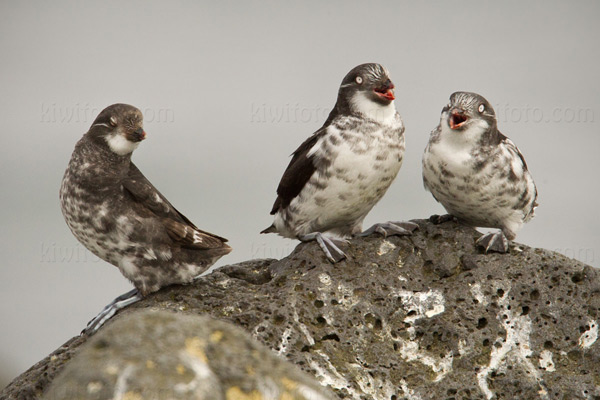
{"x": 421, "y": 317}
{"x": 155, "y": 355}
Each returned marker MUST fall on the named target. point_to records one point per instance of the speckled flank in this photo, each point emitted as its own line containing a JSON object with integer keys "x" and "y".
{"x": 476, "y": 173}
{"x": 112, "y": 209}
{"x": 115, "y": 240}
{"x": 364, "y": 157}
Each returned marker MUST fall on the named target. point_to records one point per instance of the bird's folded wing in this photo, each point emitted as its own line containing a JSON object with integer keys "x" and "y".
{"x": 514, "y": 149}
{"x": 190, "y": 237}
{"x": 298, "y": 172}
{"x": 177, "y": 225}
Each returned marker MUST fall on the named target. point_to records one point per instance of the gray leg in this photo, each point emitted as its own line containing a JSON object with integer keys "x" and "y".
{"x": 107, "y": 312}
{"x": 398, "y": 228}
{"x": 493, "y": 242}
{"x": 440, "y": 219}
{"x": 328, "y": 245}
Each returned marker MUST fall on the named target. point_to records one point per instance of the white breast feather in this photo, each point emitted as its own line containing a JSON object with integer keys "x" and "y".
{"x": 360, "y": 180}
{"x": 454, "y": 152}
{"x": 370, "y": 109}
{"x": 120, "y": 145}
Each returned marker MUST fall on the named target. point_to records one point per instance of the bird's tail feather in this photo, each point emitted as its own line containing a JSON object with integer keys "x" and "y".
{"x": 270, "y": 229}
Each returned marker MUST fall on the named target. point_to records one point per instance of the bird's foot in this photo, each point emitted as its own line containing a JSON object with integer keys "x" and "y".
{"x": 493, "y": 241}
{"x": 107, "y": 312}
{"x": 328, "y": 245}
{"x": 386, "y": 229}
{"x": 440, "y": 219}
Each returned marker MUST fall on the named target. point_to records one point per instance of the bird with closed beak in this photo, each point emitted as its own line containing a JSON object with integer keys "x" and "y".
{"x": 117, "y": 214}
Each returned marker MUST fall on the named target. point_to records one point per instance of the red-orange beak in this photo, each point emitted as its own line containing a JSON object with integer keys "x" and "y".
{"x": 138, "y": 135}
{"x": 457, "y": 118}
{"x": 386, "y": 91}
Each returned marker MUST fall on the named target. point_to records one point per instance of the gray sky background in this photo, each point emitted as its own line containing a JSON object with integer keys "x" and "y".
{"x": 230, "y": 89}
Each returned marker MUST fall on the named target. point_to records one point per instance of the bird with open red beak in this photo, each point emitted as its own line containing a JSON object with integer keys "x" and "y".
{"x": 477, "y": 173}
{"x": 340, "y": 172}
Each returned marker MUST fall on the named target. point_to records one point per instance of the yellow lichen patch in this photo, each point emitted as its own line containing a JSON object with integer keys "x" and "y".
{"x": 94, "y": 387}
{"x": 235, "y": 393}
{"x": 131, "y": 395}
{"x": 216, "y": 336}
{"x": 150, "y": 364}
{"x": 112, "y": 369}
{"x": 195, "y": 346}
{"x": 180, "y": 369}
{"x": 286, "y": 396}
{"x": 289, "y": 384}
{"x": 250, "y": 370}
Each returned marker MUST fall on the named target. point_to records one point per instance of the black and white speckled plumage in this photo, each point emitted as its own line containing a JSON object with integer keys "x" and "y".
{"x": 339, "y": 173}
{"x": 476, "y": 172}
{"x": 115, "y": 212}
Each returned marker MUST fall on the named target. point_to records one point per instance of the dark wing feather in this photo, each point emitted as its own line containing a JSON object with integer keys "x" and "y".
{"x": 178, "y": 227}
{"x": 509, "y": 143}
{"x": 297, "y": 173}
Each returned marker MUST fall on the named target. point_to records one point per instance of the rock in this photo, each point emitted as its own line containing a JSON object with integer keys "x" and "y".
{"x": 421, "y": 317}
{"x": 166, "y": 355}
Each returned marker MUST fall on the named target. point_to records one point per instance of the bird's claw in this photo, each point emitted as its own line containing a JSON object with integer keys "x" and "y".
{"x": 493, "y": 241}
{"x": 107, "y": 312}
{"x": 440, "y": 219}
{"x": 329, "y": 246}
{"x": 398, "y": 228}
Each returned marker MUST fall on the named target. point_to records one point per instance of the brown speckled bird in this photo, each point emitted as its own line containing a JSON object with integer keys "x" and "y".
{"x": 117, "y": 214}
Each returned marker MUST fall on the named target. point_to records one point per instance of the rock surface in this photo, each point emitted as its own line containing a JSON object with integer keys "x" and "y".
{"x": 420, "y": 317}
{"x": 166, "y": 355}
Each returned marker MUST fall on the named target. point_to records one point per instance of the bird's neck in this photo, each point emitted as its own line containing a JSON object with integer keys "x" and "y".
{"x": 364, "y": 107}
{"x": 97, "y": 163}
{"x": 465, "y": 139}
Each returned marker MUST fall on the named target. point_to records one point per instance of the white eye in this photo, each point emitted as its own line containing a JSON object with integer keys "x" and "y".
{"x": 481, "y": 108}
{"x": 359, "y": 80}
{"x": 113, "y": 121}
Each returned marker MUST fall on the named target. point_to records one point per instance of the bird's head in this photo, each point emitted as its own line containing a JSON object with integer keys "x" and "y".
{"x": 119, "y": 126}
{"x": 367, "y": 89}
{"x": 468, "y": 113}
